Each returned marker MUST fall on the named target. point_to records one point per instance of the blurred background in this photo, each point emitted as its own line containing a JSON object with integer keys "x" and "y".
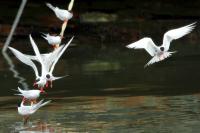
{"x": 108, "y": 88}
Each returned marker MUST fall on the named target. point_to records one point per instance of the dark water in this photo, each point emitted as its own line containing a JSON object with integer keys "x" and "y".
{"x": 109, "y": 90}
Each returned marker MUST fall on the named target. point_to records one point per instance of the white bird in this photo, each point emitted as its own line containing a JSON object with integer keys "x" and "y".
{"x": 160, "y": 53}
{"x": 47, "y": 74}
{"x": 30, "y": 95}
{"x": 26, "y": 111}
{"x": 54, "y": 41}
{"x": 47, "y": 61}
{"x": 62, "y": 14}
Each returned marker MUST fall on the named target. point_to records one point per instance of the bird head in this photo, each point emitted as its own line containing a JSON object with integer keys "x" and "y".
{"x": 162, "y": 48}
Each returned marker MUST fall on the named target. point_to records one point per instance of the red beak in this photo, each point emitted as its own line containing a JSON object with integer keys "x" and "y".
{"x": 42, "y": 90}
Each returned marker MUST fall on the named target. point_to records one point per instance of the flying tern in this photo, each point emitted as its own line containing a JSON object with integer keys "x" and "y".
{"x": 160, "y": 53}
{"x": 47, "y": 61}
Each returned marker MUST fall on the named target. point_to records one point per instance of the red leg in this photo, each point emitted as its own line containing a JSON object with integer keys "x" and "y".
{"x": 47, "y": 85}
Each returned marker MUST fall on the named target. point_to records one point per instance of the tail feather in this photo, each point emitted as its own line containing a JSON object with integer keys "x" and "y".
{"x": 158, "y": 58}
{"x": 40, "y": 104}
{"x": 20, "y": 90}
{"x": 50, "y": 6}
{"x": 44, "y": 35}
{"x": 55, "y": 78}
{"x": 18, "y": 94}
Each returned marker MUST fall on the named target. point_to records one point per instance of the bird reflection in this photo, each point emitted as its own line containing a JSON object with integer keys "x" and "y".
{"x": 39, "y": 126}
{"x": 21, "y": 80}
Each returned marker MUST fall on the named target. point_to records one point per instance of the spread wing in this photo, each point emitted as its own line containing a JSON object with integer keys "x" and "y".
{"x": 37, "y": 53}
{"x": 23, "y": 58}
{"x": 176, "y": 34}
{"x": 145, "y": 43}
{"x": 70, "y": 5}
{"x": 60, "y": 54}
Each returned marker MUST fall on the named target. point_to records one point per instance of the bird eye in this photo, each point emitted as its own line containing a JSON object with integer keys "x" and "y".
{"x": 48, "y": 76}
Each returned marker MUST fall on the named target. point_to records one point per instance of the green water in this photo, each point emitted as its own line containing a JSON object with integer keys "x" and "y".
{"x": 108, "y": 90}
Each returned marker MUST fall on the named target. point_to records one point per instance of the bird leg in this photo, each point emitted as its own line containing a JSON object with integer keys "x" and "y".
{"x": 34, "y": 101}
{"x": 25, "y": 119}
{"x": 47, "y": 85}
{"x": 55, "y": 46}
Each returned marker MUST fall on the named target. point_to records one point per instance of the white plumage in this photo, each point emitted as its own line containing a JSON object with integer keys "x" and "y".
{"x": 160, "y": 53}
{"x": 29, "y": 94}
{"x": 29, "y": 110}
{"x": 52, "y": 40}
{"x": 47, "y": 61}
{"x": 62, "y": 14}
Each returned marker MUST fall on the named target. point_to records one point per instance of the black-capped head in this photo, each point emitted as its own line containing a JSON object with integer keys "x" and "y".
{"x": 48, "y": 76}
{"x": 162, "y": 48}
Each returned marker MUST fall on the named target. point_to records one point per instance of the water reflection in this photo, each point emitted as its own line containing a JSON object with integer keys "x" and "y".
{"x": 9, "y": 61}
{"x": 111, "y": 114}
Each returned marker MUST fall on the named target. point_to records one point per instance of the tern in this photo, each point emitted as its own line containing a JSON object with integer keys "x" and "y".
{"x": 30, "y": 95}
{"x": 54, "y": 41}
{"x": 47, "y": 61}
{"x": 160, "y": 53}
{"x": 47, "y": 74}
{"x": 26, "y": 111}
{"x": 62, "y": 14}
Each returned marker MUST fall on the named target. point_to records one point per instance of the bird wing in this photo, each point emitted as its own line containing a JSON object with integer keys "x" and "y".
{"x": 176, "y": 34}
{"x": 37, "y": 53}
{"x": 50, "y": 6}
{"x": 59, "y": 55}
{"x": 144, "y": 43}
{"x": 25, "y": 60}
{"x": 70, "y": 5}
{"x": 40, "y": 104}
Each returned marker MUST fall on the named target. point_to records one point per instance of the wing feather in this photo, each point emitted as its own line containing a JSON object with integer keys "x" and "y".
{"x": 25, "y": 60}
{"x": 176, "y": 34}
{"x": 145, "y": 43}
{"x": 60, "y": 54}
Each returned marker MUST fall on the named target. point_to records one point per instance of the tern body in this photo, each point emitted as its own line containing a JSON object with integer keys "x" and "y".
{"x": 52, "y": 40}
{"x": 161, "y": 52}
{"x": 47, "y": 61}
{"x": 62, "y": 14}
{"x": 29, "y": 94}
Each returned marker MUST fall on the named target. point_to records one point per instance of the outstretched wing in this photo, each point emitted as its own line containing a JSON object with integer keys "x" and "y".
{"x": 144, "y": 43}
{"x": 25, "y": 60}
{"x": 176, "y": 34}
{"x": 60, "y": 54}
{"x": 37, "y": 53}
{"x": 70, "y": 5}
